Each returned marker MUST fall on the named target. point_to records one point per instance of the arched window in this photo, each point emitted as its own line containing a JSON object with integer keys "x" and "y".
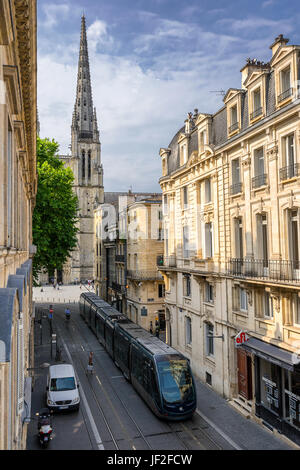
{"x": 83, "y": 164}
{"x": 89, "y": 165}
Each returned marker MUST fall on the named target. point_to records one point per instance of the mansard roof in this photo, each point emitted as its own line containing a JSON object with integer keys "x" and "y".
{"x": 219, "y": 125}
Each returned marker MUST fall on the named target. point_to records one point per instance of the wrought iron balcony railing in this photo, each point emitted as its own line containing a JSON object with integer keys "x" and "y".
{"x": 285, "y": 94}
{"x": 233, "y": 127}
{"x": 144, "y": 275}
{"x": 289, "y": 171}
{"x": 120, "y": 258}
{"x": 275, "y": 270}
{"x": 259, "y": 180}
{"x": 119, "y": 287}
{"x": 236, "y": 188}
{"x": 257, "y": 112}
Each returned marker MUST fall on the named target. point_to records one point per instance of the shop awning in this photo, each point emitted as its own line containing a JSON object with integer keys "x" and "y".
{"x": 271, "y": 353}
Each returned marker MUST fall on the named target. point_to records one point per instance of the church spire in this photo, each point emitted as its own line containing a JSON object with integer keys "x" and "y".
{"x": 83, "y": 112}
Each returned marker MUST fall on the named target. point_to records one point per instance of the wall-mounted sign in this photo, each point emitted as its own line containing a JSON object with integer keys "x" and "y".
{"x": 241, "y": 338}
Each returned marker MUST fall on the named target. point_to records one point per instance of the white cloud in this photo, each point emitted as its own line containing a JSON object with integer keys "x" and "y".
{"x": 54, "y": 13}
{"x": 255, "y": 22}
{"x": 97, "y": 34}
{"x": 141, "y": 105}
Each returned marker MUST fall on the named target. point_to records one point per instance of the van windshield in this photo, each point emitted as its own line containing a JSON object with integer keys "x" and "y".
{"x": 62, "y": 384}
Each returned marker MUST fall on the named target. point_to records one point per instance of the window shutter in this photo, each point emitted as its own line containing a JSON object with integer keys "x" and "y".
{"x": 20, "y": 367}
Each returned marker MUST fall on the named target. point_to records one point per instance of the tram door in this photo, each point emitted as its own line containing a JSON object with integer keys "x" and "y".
{"x": 244, "y": 374}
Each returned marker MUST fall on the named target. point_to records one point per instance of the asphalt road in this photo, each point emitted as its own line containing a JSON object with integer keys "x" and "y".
{"x": 112, "y": 416}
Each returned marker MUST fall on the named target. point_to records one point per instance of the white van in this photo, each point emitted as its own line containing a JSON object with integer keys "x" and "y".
{"x": 62, "y": 388}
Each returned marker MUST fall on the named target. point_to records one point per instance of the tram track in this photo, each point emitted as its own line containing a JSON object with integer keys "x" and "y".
{"x": 83, "y": 366}
{"x": 210, "y": 441}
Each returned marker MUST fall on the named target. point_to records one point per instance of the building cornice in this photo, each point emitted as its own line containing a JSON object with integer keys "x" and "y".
{"x": 26, "y": 31}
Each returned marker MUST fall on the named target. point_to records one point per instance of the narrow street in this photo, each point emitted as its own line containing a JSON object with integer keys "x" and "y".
{"x": 112, "y": 416}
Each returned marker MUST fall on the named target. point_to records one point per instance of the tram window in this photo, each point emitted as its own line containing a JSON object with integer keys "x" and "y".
{"x": 137, "y": 365}
{"x": 154, "y": 388}
{"x": 123, "y": 347}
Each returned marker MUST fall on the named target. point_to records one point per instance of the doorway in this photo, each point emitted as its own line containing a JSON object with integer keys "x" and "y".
{"x": 244, "y": 374}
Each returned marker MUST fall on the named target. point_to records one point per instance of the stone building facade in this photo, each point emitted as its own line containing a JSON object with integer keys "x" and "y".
{"x": 18, "y": 182}
{"x": 126, "y": 254}
{"x": 145, "y": 293}
{"x": 85, "y": 162}
{"x": 231, "y": 202}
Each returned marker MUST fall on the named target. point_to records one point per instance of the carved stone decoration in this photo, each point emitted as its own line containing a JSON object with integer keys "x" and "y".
{"x": 250, "y": 296}
{"x": 291, "y": 200}
{"x": 247, "y": 161}
{"x": 276, "y": 300}
{"x": 25, "y": 30}
{"x": 272, "y": 153}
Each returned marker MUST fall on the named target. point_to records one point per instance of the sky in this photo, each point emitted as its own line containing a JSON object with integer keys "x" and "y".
{"x": 151, "y": 62}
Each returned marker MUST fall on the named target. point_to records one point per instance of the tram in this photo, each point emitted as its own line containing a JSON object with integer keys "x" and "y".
{"x": 160, "y": 374}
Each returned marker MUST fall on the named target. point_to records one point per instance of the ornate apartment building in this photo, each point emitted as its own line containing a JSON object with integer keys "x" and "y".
{"x": 145, "y": 293}
{"x": 231, "y": 203}
{"x": 85, "y": 162}
{"x": 18, "y": 183}
{"x": 128, "y": 240}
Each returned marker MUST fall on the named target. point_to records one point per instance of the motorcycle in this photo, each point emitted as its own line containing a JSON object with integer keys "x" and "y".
{"x": 68, "y": 314}
{"x": 44, "y": 427}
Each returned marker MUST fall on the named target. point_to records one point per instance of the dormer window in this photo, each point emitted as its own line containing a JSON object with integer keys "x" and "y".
{"x": 256, "y": 104}
{"x": 234, "y": 125}
{"x": 202, "y": 140}
{"x": 285, "y": 84}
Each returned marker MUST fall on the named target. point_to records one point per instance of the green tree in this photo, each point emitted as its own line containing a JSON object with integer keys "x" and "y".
{"x": 55, "y": 215}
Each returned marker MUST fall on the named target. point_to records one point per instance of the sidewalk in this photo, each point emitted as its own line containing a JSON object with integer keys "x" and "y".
{"x": 242, "y": 433}
{"x": 65, "y": 294}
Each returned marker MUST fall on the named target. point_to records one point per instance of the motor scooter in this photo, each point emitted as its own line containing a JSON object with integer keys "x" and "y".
{"x": 44, "y": 426}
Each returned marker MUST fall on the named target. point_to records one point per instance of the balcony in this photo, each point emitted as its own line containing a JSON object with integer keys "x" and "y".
{"x": 144, "y": 275}
{"x": 289, "y": 171}
{"x": 265, "y": 269}
{"x": 236, "y": 188}
{"x": 166, "y": 261}
{"x": 284, "y": 95}
{"x": 258, "y": 181}
{"x": 233, "y": 127}
{"x": 257, "y": 112}
{"x": 120, "y": 258}
{"x": 118, "y": 287}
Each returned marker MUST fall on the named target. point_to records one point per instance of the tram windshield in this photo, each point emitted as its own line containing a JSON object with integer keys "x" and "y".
{"x": 175, "y": 378}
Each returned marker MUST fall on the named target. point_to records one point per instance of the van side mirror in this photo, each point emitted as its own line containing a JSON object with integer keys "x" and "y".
{"x": 47, "y": 388}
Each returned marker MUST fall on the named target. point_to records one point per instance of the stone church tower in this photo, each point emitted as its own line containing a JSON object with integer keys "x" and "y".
{"x": 85, "y": 162}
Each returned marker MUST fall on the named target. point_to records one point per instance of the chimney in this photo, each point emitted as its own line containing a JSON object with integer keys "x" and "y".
{"x": 279, "y": 41}
{"x": 251, "y": 65}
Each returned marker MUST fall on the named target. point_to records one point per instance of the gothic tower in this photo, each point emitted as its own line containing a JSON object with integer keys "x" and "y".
{"x": 85, "y": 163}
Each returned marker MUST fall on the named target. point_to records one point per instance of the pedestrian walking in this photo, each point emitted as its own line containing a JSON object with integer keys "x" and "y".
{"x": 90, "y": 367}
{"x": 151, "y": 328}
